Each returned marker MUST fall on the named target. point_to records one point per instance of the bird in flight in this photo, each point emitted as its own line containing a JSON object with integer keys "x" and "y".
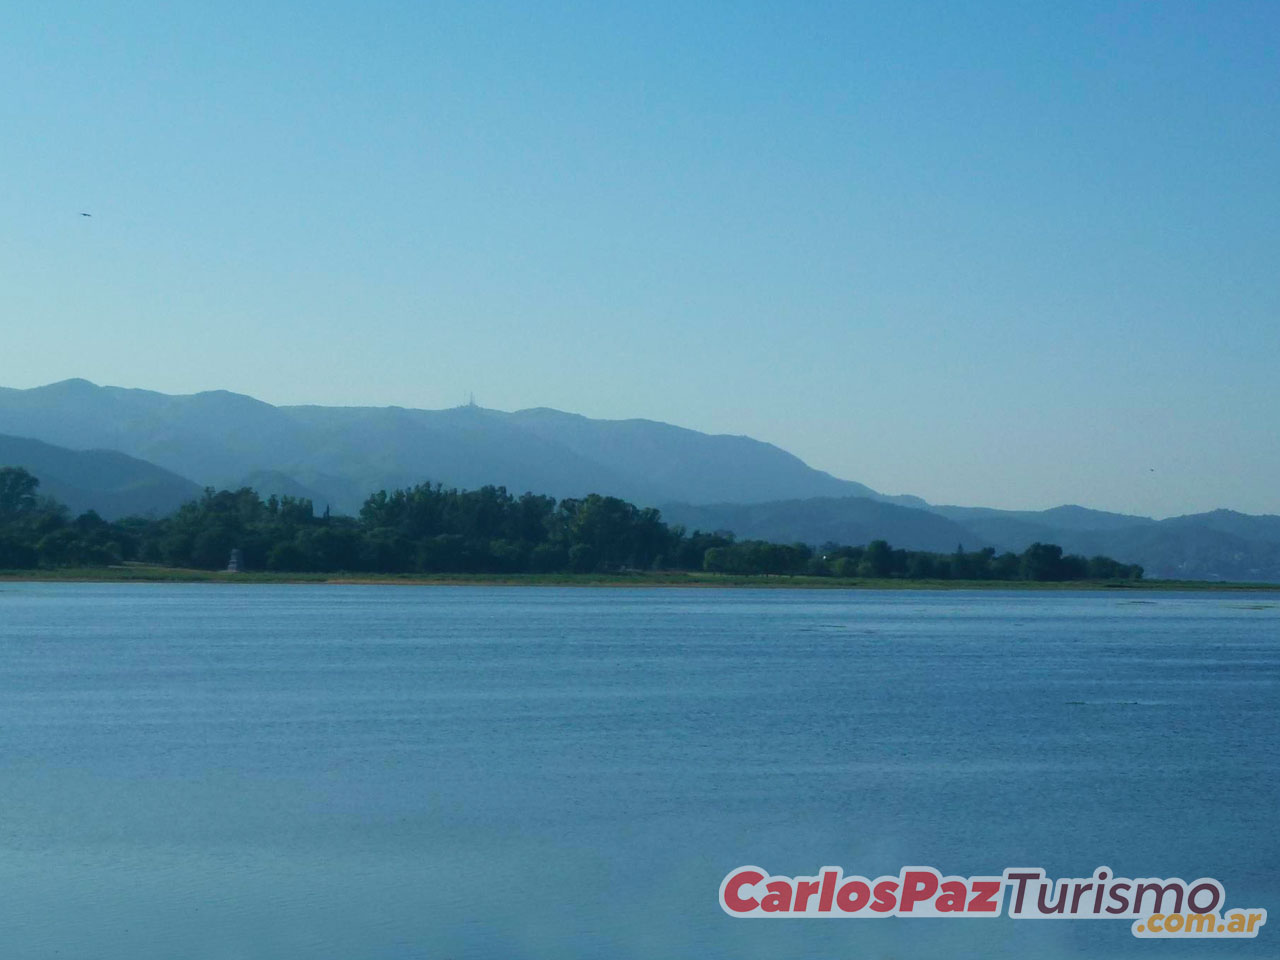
{"x": 86, "y": 214}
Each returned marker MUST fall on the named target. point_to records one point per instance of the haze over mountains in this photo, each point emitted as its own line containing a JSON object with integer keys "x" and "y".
{"x": 138, "y": 451}
{"x": 341, "y": 454}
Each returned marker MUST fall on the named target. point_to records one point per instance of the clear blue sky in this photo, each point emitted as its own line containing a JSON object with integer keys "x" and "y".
{"x": 1005, "y": 254}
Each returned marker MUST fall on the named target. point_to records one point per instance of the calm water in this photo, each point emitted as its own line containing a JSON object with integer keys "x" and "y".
{"x": 285, "y": 772}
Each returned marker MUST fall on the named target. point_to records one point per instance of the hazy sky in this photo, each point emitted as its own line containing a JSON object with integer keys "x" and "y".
{"x": 1005, "y": 254}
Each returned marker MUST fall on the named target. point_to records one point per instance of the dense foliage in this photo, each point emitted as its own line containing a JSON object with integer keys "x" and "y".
{"x": 431, "y": 529}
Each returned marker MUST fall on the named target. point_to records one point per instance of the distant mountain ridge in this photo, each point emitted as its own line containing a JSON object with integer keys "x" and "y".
{"x": 219, "y": 439}
{"x": 1221, "y": 545}
{"x": 336, "y": 456}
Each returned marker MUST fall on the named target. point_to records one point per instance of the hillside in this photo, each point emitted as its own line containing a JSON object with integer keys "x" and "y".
{"x": 112, "y": 483}
{"x": 1220, "y": 545}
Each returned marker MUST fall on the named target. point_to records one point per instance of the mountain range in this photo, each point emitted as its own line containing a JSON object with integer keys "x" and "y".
{"x": 338, "y": 455}
{"x": 125, "y": 451}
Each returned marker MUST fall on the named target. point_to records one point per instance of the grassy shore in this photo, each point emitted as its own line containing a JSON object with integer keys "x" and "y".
{"x": 140, "y": 573}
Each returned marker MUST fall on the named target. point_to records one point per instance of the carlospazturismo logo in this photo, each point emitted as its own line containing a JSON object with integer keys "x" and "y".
{"x": 1155, "y": 907}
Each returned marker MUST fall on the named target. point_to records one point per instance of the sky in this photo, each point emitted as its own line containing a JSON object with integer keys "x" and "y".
{"x": 1001, "y": 254}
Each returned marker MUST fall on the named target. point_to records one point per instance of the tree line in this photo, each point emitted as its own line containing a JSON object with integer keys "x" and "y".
{"x": 433, "y": 529}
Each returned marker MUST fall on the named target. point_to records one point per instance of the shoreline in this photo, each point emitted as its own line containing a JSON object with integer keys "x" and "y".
{"x": 677, "y": 580}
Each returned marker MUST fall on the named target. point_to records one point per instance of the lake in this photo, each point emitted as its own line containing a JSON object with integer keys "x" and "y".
{"x": 359, "y": 772}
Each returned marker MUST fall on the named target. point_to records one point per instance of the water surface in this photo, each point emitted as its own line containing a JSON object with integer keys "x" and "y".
{"x": 310, "y": 771}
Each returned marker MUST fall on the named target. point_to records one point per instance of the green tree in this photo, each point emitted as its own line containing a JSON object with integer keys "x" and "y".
{"x": 17, "y": 493}
{"x": 1042, "y": 561}
{"x": 877, "y": 560}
